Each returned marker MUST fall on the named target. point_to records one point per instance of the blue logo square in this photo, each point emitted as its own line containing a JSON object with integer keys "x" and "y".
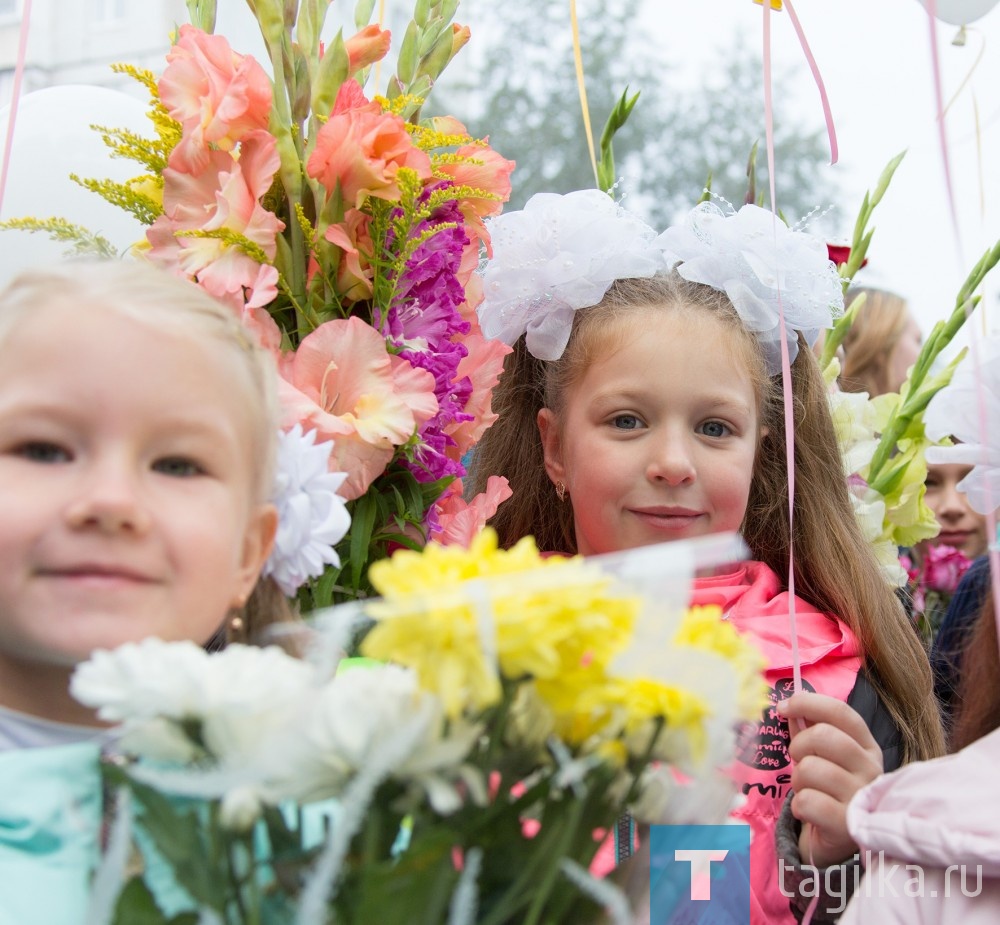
{"x": 699, "y": 875}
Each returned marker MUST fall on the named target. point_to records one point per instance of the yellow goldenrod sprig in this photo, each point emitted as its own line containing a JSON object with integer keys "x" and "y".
{"x": 232, "y": 238}
{"x": 58, "y": 229}
{"x": 122, "y": 195}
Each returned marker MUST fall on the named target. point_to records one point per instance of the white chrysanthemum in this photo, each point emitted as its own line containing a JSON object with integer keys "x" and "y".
{"x": 559, "y": 254}
{"x": 760, "y": 263}
{"x": 960, "y": 410}
{"x": 353, "y": 716}
{"x": 160, "y": 692}
{"x": 312, "y": 517}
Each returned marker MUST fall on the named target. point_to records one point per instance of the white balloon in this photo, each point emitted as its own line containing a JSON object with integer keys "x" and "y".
{"x": 961, "y": 12}
{"x": 52, "y": 139}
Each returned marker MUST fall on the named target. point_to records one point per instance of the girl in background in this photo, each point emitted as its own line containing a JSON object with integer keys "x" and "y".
{"x": 882, "y": 344}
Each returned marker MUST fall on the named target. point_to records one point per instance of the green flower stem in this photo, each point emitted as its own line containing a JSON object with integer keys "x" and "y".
{"x": 553, "y": 842}
{"x": 860, "y": 240}
{"x": 286, "y": 133}
{"x": 915, "y": 396}
{"x": 560, "y": 850}
{"x": 862, "y": 236}
{"x": 371, "y": 843}
{"x": 500, "y": 721}
{"x": 840, "y": 329}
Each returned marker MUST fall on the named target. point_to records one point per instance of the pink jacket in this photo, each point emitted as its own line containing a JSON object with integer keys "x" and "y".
{"x": 920, "y": 829}
{"x": 830, "y": 659}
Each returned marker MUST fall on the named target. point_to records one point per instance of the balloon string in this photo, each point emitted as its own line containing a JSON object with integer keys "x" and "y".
{"x": 786, "y": 367}
{"x": 786, "y": 390}
{"x": 582, "y": 88}
{"x": 22, "y": 53}
{"x": 942, "y": 128}
{"x": 971, "y": 71}
{"x": 831, "y": 130}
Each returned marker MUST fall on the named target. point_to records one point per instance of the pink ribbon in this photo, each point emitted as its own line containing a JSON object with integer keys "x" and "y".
{"x": 22, "y": 51}
{"x": 786, "y": 366}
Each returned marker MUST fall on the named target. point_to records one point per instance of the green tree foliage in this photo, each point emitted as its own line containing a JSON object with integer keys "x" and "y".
{"x": 522, "y": 90}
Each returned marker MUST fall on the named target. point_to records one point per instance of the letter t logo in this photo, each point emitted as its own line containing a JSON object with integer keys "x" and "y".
{"x": 701, "y": 868}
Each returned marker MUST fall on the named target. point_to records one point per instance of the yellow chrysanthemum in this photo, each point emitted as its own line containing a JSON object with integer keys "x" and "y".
{"x": 643, "y": 704}
{"x": 449, "y": 612}
{"x": 580, "y": 710}
{"x": 703, "y": 628}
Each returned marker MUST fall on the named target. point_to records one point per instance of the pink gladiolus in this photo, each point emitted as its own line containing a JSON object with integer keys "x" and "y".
{"x": 354, "y": 272}
{"x": 491, "y": 173}
{"x": 369, "y": 45}
{"x": 343, "y": 383}
{"x": 461, "y": 521}
{"x": 260, "y": 322}
{"x": 943, "y": 568}
{"x": 483, "y": 365}
{"x": 217, "y": 95}
{"x": 224, "y": 196}
{"x": 362, "y": 148}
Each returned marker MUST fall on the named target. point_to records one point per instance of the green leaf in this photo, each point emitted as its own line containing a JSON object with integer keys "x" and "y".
{"x": 310, "y": 24}
{"x": 414, "y": 890}
{"x": 751, "y": 195}
{"x": 362, "y": 525}
{"x": 177, "y": 835}
{"x": 618, "y": 117}
{"x": 422, "y": 12}
{"x": 331, "y": 74}
{"x": 202, "y": 14}
{"x": 885, "y": 178}
{"x": 706, "y": 193}
{"x": 362, "y": 13}
{"x": 437, "y": 58}
{"x": 325, "y": 585}
{"x": 406, "y": 63}
{"x": 136, "y": 906}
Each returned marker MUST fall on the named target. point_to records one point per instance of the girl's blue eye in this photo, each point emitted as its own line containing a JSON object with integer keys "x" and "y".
{"x": 626, "y": 422}
{"x": 41, "y": 451}
{"x": 178, "y": 466}
{"x": 714, "y": 429}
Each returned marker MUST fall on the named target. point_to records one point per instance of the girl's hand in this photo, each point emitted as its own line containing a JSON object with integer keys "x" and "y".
{"x": 834, "y": 755}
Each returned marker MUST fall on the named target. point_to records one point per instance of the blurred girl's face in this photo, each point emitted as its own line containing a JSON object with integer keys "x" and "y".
{"x": 961, "y": 526}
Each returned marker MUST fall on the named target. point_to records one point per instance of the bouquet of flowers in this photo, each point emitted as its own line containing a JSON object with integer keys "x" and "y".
{"x": 345, "y": 230}
{"x": 883, "y": 440}
{"x": 510, "y": 706}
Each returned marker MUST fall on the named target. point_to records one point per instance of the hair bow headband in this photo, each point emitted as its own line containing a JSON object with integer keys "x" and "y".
{"x": 562, "y": 253}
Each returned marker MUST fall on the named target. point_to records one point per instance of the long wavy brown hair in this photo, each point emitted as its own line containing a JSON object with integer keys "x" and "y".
{"x": 835, "y": 568}
{"x": 978, "y": 712}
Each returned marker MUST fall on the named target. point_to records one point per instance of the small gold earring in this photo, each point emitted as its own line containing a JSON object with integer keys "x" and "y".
{"x": 235, "y": 629}
{"x": 560, "y": 491}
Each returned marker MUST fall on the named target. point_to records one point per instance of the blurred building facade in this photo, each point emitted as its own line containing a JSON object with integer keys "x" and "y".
{"x": 76, "y": 41}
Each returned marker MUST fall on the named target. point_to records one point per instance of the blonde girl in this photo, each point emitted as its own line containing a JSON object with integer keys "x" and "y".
{"x": 882, "y": 344}
{"x": 138, "y": 429}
